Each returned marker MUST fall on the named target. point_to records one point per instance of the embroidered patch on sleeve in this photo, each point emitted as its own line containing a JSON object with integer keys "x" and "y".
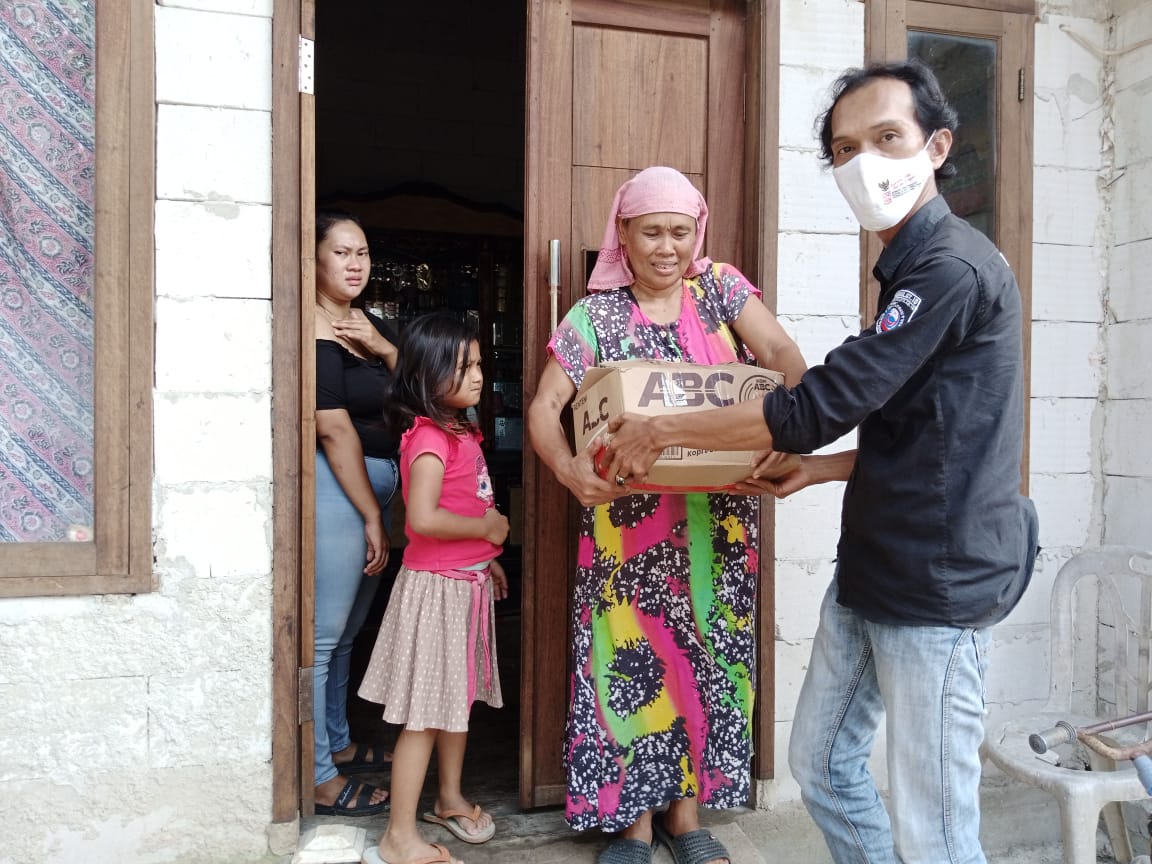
{"x": 899, "y": 311}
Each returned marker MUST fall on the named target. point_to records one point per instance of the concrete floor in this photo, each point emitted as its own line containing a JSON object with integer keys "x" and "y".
{"x": 1019, "y": 825}
{"x": 1020, "y": 828}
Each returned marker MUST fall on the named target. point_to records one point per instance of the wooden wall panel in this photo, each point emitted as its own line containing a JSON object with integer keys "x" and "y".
{"x": 668, "y": 82}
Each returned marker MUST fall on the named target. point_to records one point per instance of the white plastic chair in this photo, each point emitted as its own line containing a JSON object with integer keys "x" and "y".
{"x": 1100, "y": 670}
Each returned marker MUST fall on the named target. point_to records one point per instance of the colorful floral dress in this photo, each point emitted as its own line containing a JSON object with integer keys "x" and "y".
{"x": 663, "y": 647}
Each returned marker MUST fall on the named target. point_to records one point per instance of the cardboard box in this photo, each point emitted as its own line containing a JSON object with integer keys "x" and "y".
{"x": 658, "y": 387}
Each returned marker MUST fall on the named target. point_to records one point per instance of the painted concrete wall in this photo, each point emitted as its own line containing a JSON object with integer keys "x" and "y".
{"x": 818, "y": 301}
{"x": 1069, "y": 286}
{"x": 139, "y": 728}
{"x": 1127, "y": 505}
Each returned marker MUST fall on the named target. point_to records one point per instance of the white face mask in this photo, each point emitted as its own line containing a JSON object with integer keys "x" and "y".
{"x": 880, "y": 190}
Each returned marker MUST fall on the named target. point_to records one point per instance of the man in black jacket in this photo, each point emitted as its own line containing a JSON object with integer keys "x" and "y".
{"x": 936, "y": 542}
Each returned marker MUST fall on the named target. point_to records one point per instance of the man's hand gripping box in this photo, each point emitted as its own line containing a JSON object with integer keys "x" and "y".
{"x": 660, "y": 387}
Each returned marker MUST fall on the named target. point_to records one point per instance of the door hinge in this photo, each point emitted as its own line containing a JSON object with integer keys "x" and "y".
{"x": 306, "y": 65}
{"x": 1020, "y": 86}
{"x": 304, "y": 704}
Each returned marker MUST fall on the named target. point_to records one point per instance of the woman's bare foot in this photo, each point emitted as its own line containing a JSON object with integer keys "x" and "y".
{"x": 409, "y": 850}
{"x": 641, "y": 829}
{"x": 477, "y": 827}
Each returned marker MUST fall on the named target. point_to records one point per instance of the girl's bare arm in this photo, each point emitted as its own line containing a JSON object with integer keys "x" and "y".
{"x": 427, "y": 517}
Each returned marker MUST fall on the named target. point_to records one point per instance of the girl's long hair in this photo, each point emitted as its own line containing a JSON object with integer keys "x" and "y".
{"x": 427, "y": 371}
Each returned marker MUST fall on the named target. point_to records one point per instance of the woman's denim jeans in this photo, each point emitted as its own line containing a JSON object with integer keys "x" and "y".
{"x": 343, "y": 598}
{"x": 929, "y": 681}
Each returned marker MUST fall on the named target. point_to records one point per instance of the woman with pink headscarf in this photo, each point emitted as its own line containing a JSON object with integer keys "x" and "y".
{"x": 663, "y": 648}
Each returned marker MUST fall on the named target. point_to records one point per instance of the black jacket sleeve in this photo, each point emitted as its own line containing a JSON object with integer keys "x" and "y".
{"x": 925, "y": 314}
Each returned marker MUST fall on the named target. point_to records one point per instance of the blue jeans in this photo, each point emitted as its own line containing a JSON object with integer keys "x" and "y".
{"x": 343, "y": 598}
{"x": 929, "y": 681}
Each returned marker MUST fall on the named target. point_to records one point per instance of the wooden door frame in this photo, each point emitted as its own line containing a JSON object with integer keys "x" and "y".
{"x": 761, "y": 245}
{"x": 289, "y": 691}
{"x": 548, "y": 520}
{"x": 290, "y": 272}
{"x": 544, "y": 527}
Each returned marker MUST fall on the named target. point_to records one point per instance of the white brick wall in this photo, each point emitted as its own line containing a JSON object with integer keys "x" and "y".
{"x": 1069, "y": 98}
{"x": 1066, "y": 206}
{"x": 231, "y": 55}
{"x": 1130, "y": 198}
{"x": 1129, "y": 299}
{"x": 142, "y": 724}
{"x": 1091, "y": 459}
{"x": 1127, "y": 453}
{"x": 1071, "y": 281}
{"x": 261, "y": 8}
{"x": 206, "y": 154}
{"x": 813, "y": 270}
{"x": 1068, "y": 359}
{"x": 818, "y": 300}
{"x": 1129, "y": 422}
{"x": 239, "y": 235}
{"x": 213, "y": 399}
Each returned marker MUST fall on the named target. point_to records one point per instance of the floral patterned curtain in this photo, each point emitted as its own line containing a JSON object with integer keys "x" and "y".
{"x": 47, "y": 172}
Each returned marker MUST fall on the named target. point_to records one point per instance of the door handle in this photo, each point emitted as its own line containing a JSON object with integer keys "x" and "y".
{"x": 554, "y": 280}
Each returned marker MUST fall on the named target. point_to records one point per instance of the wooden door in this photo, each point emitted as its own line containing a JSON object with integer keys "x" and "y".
{"x": 612, "y": 88}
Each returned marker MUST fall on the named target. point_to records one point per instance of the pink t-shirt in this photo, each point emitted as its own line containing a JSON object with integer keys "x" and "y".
{"x": 467, "y": 491}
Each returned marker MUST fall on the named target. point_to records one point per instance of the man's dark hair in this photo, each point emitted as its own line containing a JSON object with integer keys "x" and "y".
{"x": 931, "y": 105}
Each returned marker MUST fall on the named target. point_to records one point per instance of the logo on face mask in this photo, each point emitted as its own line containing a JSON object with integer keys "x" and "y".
{"x": 898, "y": 187}
{"x": 880, "y": 189}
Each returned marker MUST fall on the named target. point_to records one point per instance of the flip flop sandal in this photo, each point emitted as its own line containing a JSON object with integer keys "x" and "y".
{"x": 692, "y": 847}
{"x": 450, "y": 819}
{"x": 625, "y": 851}
{"x": 372, "y": 856}
{"x": 349, "y": 805}
{"x": 361, "y": 764}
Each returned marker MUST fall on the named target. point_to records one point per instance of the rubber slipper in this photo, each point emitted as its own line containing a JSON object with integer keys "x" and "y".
{"x": 450, "y": 819}
{"x": 625, "y": 851}
{"x": 349, "y": 804}
{"x": 372, "y": 856}
{"x": 692, "y": 847}
{"x": 361, "y": 764}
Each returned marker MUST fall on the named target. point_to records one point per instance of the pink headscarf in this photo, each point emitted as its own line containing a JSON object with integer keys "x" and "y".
{"x": 653, "y": 190}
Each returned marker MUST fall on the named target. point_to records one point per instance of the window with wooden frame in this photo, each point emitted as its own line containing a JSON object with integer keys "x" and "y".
{"x": 982, "y": 54}
{"x": 77, "y": 168}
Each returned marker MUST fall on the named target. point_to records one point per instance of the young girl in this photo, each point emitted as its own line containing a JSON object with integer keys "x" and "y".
{"x": 436, "y": 652}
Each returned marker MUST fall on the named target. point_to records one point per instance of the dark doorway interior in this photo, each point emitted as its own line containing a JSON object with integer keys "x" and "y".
{"x": 420, "y": 132}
